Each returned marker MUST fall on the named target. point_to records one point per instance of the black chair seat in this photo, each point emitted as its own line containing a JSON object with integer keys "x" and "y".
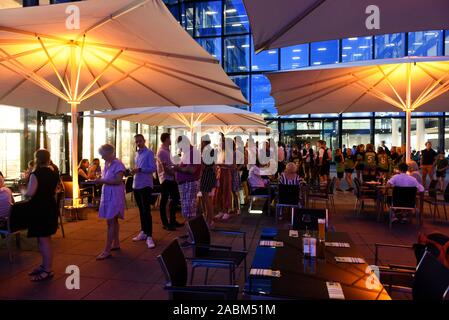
{"x": 235, "y": 256}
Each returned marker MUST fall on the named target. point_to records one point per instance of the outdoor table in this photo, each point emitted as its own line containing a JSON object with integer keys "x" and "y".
{"x": 305, "y": 278}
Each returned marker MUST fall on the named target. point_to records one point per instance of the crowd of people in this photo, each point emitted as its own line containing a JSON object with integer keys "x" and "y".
{"x": 221, "y": 175}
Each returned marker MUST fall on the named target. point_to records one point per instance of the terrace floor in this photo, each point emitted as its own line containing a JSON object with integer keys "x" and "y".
{"x": 134, "y": 273}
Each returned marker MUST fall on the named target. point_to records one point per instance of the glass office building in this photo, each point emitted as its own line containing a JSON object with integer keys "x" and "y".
{"x": 222, "y": 28}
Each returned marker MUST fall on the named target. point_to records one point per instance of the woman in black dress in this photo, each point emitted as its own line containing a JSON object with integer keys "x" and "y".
{"x": 43, "y": 211}
{"x": 208, "y": 180}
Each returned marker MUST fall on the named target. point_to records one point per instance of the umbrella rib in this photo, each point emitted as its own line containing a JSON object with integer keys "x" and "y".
{"x": 195, "y": 84}
{"x": 379, "y": 95}
{"x": 115, "y": 15}
{"x": 155, "y": 52}
{"x": 90, "y": 85}
{"x": 65, "y": 75}
{"x": 24, "y": 79}
{"x": 428, "y": 91}
{"x": 33, "y": 76}
{"x": 55, "y": 70}
{"x": 98, "y": 84}
{"x": 140, "y": 61}
{"x": 111, "y": 83}
{"x": 265, "y": 45}
{"x": 138, "y": 81}
{"x": 21, "y": 54}
{"x": 391, "y": 85}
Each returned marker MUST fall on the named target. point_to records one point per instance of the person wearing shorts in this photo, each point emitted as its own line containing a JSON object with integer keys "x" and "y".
{"x": 349, "y": 168}
{"x": 441, "y": 165}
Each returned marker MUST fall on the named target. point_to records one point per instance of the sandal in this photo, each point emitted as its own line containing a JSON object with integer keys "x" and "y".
{"x": 37, "y": 270}
{"x": 103, "y": 256}
{"x": 42, "y": 276}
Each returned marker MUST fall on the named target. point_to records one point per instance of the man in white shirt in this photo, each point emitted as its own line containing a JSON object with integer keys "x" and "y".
{"x": 403, "y": 180}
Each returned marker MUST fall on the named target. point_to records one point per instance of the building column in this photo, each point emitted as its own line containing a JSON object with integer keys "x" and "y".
{"x": 395, "y": 134}
{"x": 441, "y": 133}
{"x": 420, "y": 135}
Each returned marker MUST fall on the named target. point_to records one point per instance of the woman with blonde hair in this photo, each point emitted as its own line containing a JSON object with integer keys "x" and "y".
{"x": 112, "y": 203}
{"x": 413, "y": 170}
{"x": 290, "y": 175}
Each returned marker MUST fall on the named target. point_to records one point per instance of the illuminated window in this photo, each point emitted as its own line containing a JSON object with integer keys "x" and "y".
{"x": 236, "y": 54}
{"x": 425, "y": 43}
{"x": 355, "y": 49}
{"x": 211, "y": 45}
{"x": 295, "y": 57}
{"x": 236, "y": 20}
{"x": 208, "y": 18}
{"x": 325, "y": 52}
{"x": 389, "y": 46}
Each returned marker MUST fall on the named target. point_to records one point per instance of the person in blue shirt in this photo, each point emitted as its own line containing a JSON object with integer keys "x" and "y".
{"x": 145, "y": 166}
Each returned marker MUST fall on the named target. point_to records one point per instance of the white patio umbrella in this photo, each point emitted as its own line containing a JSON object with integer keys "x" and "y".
{"x": 189, "y": 117}
{"x": 282, "y": 23}
{"x": 123, "y": 53}
{"x": 406, "y": 84}
{"x": 226, "y": 130}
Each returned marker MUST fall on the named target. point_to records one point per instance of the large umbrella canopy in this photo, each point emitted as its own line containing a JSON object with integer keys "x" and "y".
{"x": 405, "y": 84}
{"x": 282, "y": 23}
{"x": 189, "y": 117}
{"x": 121, "y": 54}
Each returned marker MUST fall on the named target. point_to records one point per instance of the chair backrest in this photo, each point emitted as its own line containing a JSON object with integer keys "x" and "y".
{"x": 129, "y": 184}
{"x": 404, "y": 197}
{"x": 200, "y": 234}
{"x": 433, "y": 188}
{"x": 308, "y": 218}
{"x": 288, "y": 194}
{"x": 431, "y": 279}
{"x": 68, "y": 189}
{"x": 174, "y": 265}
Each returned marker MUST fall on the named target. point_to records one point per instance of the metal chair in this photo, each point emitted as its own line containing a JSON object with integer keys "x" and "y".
{"x": 404, "y": 199}
{"x": 7, "y": 232}
{"x": 174, "y": 266}
{"x": 431, "y": 279}
{"x": 207, "y": 255}
{"x": 288, "y": 197}
{"x": 325, "y": 194}
{"x": 255, "y": 193}
{"x": 435, "y": 199}
{"x": 362, "y": 194}
{"x": 67, "y": 200}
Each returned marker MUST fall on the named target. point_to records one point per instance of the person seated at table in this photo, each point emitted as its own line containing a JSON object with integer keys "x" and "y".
{"x": 413, "y": 170}
{"x": 258, "y": 184}
{"x": 6, "y": 201}
{"x": 82, "y": 170}
{"x": 94, "y": 171}
{"x": 28, "y": 171}
{"x": 290, "y": 175}
{"x": 403, "y": 180}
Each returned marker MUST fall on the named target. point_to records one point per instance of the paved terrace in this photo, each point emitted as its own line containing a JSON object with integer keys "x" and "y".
{"x": 134, "y": 272}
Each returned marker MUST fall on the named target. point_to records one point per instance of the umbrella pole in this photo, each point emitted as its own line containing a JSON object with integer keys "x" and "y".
{"x": 74, "y": 112}
{"x": 408, "y": 141}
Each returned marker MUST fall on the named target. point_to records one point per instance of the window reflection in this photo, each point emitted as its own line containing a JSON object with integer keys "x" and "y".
{"x": 211, "y": 45}
{"x": 236, "y": 54}
{"x": 261, "y": 101}
{"x": 208, "y": 18}
{"x": 325, "y": 52}
{"x": 425, "y": 43}
{"x": 355, "y": 49}
{"x": 389, "y": 46}
{"x": 295, "y": 57}
{"x": 265, "y": 60}
{"x": 236, "y": 20}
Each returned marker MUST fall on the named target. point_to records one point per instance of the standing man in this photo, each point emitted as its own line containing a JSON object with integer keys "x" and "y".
{"x": 281, "y": 158}
{"x": 143, "y": 171}
{"x": 384, "y": 146}
{"x": 428, "y": 156}
{"x": 323, "y": 161}
{"x": 307, "y": 156}
{"x": 169, "y": 187}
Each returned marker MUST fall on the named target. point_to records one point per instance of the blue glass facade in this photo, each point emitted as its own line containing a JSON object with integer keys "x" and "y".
{"x": 222, "y": 28}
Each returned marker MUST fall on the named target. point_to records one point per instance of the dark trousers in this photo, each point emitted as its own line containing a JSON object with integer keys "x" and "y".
{"x": 169, "y": 189}
{"x": 143, "y": 200}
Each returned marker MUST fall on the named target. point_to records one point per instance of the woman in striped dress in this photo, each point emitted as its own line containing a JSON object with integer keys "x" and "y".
{"x": 290, "y": 176}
